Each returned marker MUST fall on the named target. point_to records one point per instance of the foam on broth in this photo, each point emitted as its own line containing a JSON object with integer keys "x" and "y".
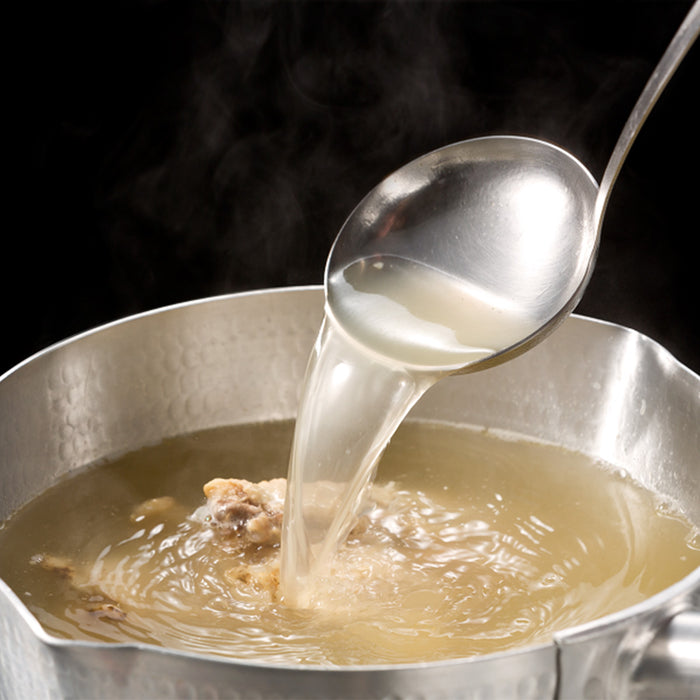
{"x": 481, "y": 544}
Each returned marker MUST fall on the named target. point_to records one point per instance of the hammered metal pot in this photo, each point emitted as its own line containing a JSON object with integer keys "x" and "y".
{"x": 591, "y": 386}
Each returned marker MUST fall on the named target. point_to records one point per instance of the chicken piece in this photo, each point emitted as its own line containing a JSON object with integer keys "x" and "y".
{"x": 105, "y": 610}
{"x": 152, "y": 507}
{"x": 252, "y": 510}
{"x": 93, "y": 601}
{"x": 255, "y": 510}
{"x": 263, "y": 577}
{"x": 61, "y": 566}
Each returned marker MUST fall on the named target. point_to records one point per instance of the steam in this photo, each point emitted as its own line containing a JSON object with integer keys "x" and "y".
{"x": 172, "y": 151}
{"x": 277, "y": 117}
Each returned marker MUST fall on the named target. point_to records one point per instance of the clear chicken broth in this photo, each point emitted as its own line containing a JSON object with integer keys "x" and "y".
{"x": 475, "y": 543}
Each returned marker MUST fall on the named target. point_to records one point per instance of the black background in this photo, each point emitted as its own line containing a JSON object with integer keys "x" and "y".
{"x": 166, "y": 151}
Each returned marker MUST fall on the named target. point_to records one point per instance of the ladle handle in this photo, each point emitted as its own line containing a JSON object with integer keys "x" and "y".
{"x": 675, "y": 53}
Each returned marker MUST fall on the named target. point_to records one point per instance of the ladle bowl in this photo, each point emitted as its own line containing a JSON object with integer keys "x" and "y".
{"x": 511, "y": 217}
{"x": 516, "y": 221}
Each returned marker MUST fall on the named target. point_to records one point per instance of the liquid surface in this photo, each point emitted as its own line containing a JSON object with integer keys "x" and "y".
{"x": 475, "y": 544}
{"x": 417, "y": 316}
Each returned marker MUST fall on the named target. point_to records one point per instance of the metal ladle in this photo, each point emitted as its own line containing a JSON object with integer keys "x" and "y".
{"x": 517, "y": 219}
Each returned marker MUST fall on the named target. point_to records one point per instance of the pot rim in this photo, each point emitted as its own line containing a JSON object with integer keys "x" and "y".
{"x": 312, "y": 288}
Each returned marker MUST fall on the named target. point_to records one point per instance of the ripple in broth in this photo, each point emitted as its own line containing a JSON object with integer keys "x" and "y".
{"x": 474, "y": 544}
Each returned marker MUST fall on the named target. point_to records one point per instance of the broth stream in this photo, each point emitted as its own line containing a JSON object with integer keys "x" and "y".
{"x": 397, "y": 327}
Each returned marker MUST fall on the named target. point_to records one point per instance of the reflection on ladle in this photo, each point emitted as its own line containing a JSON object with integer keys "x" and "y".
{"x": 460, "y": 260}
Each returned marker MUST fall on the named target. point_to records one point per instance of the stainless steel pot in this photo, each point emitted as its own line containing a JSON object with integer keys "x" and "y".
{"x": 591, "y": 386}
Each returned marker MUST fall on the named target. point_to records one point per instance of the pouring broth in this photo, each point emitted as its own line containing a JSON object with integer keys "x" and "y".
{"x": 392, "y": 328}
{"x": 471, "y": 542}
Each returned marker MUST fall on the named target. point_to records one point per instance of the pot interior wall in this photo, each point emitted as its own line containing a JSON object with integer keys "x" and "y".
{"x": 590, "y": 386}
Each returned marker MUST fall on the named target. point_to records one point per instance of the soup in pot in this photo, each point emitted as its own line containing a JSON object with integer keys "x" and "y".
{"x": 468, "y": 542}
